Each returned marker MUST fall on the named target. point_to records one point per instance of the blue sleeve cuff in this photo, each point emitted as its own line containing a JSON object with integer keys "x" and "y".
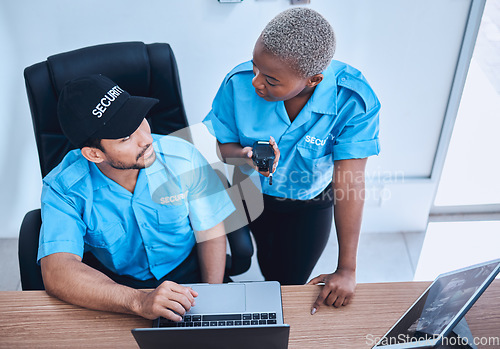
{"x": 48, "y": 248}
{"x": 356, "y": 150}
{"x": 219, "y": 130}
{"x": 210, "y": 219}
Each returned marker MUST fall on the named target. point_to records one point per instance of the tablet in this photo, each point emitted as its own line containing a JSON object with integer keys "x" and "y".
{"x": 443, "y": 304}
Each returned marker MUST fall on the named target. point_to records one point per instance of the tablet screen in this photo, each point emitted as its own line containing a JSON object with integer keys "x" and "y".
{"x": 430, "y": 316}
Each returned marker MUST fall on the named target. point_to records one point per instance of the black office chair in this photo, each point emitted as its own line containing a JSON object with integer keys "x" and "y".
{"x": 142, "y": 70}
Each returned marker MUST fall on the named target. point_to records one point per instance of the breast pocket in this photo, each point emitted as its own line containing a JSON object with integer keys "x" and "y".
{"x": 108, "y": 237}
{"x": 314, "y": 160}
{"x": 173, "y": 221}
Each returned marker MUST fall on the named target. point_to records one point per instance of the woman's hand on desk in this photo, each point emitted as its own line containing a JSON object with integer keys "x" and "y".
{"x": 167, "y": 300}
{"x": 338, "y": 290}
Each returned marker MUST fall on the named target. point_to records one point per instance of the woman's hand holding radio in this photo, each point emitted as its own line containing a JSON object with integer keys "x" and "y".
{"x": 255, "y": 160}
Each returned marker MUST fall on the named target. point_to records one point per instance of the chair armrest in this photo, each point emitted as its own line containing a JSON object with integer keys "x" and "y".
{"x": 31, "y": 274}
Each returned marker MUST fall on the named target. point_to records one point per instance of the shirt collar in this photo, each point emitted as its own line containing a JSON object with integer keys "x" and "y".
{"x": 141, "y": 184}
{"x": 100, "y": 181}
{"x": 157, "y": 165}
{"x": 324, "y": 98}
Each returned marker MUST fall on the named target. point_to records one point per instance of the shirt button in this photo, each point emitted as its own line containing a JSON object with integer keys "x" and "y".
{"x": 343, "y": 79}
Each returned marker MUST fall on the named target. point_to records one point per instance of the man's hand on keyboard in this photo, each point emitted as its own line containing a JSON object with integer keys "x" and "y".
{"x": 169, "y": 300}
{"x": 223, "y": 320}
{"x": 338, "y": 290}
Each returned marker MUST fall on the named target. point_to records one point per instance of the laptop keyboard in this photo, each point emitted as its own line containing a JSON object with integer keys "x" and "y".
{"x": 219, "y": 320}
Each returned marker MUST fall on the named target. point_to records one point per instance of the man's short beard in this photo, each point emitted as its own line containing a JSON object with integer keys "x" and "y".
{"x": 137, "y": 166}
{"x": 122, "y": 166}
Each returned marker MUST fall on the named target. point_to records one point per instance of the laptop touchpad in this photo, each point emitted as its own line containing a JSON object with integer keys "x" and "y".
{"x": 221, "y": 298}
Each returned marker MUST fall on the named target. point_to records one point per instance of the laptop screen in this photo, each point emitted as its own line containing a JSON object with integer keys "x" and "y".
{"x": 442, "y": 305}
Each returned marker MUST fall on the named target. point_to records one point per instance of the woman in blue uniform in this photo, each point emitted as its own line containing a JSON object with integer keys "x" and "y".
{"x": 321, "y": 117}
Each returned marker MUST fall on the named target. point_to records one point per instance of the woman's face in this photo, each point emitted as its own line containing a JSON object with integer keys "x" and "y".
{"x": 273, "y": 80}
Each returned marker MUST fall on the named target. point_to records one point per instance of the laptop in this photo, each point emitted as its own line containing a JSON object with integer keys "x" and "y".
{"x": 440, "y": 310}
{"x": 242, "y": 315}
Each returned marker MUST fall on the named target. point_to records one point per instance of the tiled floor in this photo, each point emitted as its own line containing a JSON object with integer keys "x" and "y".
{"x": 9, "y": 266}
{"x": 390, "y": 257}
{"x": 381, "y": 258}
{"x": 454, "y": 245}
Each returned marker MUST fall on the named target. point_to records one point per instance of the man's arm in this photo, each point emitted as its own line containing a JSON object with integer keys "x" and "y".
{"x": 349, "y": 191}
{"x": 212, "y": 253}
{"x": 67, "y": 278}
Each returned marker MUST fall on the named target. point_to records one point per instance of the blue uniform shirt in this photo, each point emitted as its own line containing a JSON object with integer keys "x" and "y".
{"x": 340, "y": 121}
{"x": 132, "y": 234}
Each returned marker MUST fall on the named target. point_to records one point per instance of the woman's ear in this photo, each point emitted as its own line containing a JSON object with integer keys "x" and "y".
{"x": 314, "y": 80}
{"x": 93, "y": 154}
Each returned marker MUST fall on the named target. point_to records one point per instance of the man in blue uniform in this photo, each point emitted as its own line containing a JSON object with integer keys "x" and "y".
{"x": 108, "y": 197}
{"x": 321, "y": 117}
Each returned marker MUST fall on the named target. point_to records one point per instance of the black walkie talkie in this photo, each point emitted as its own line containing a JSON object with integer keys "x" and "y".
{"x": 263, "y": 157}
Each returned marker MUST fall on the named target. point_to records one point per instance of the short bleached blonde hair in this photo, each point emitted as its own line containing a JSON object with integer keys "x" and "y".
{"x": 302, "y": 38}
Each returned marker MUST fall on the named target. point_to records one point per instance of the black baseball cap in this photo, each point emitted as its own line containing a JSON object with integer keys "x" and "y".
{"x": 96, "y": 107}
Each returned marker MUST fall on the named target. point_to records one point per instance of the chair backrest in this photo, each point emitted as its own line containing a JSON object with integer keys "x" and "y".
{"x": 142, "y": 70}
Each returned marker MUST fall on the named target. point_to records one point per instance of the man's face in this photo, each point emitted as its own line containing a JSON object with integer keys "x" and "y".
{"x": 132, "y": 152}
{"x": 273, "y": 80}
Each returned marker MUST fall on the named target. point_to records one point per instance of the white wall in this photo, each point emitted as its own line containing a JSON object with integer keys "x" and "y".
{"x": 408, "y": 62}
